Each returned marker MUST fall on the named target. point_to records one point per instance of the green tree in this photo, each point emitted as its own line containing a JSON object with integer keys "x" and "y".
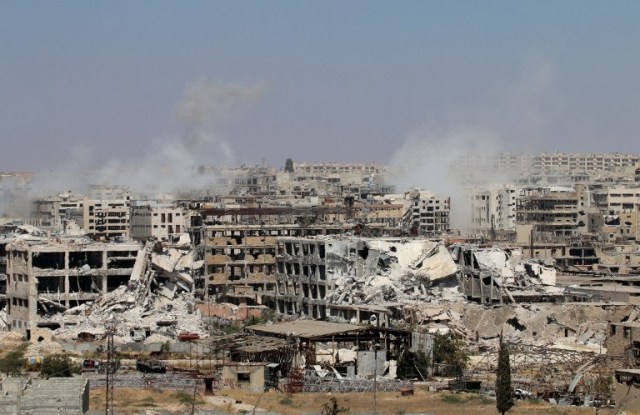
{"x": 165, "y": 348}
{"x": 13, "y": 362}
{"x": 504, "y": 392}
{"x": 56, "y": 366}
{"x": 288, "y": 166}
{"x": 450, "y": 354}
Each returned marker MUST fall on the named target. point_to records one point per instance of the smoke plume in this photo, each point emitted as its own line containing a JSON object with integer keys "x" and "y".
{"x": 506, "y": 118}
{"x": 171, "y": 165}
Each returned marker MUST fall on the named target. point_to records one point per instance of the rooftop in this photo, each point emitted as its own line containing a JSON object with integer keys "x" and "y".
{"x": 307, "y": 328}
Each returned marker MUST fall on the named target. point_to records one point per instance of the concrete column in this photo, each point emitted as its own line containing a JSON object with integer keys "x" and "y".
{"x": 66, "y": 278}
{"x": 104, "y": 267}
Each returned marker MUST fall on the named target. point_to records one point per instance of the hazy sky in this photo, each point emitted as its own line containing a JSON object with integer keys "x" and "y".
{"x": 316, "y": 81}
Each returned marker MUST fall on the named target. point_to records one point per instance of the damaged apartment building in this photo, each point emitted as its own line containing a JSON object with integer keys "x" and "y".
{"x": 491, "y": 275}
{"x": 104, "y": 214}
{"x": 362, "y": 280}
{"x": 240, "y": 243}
{"x": 46, "y": 276}
{"x": 426, "y": 213}
{"x": 371, "y": 280}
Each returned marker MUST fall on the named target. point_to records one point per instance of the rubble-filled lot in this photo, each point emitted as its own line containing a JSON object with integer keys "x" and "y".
{"x": 155, "y": 306}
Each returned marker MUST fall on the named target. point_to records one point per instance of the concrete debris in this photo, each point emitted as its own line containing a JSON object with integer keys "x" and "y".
{"x": 160, "y": 290}
{"x": 489, "y": 274}
{"x": 567, "y": 326}
{"x": 386, "y": 271}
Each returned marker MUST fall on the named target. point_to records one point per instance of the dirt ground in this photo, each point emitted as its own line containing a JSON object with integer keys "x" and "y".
{"x": 130, "y": 401}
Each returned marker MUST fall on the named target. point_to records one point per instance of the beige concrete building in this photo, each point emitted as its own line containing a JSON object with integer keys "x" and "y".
{"x": 43, "y": 278}
{"x": 427, "y": 213}
{"x": 552, "y": 211}
{"x": 240, "y": 259}
{"x": 104, "y": 218}
{"x": 100, "y": 218}
{"x": 248, "y": 376}
{"x": 494, "y": 209}
{"x": 48, "y": 213}
{"x": 153, "y": 220}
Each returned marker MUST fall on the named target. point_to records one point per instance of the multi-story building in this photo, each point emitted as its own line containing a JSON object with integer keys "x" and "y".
{"x": 427, "y": 213}
{"x": 550, "y": 162}
{"x": 621, "y": 198}
{"x": 240, "y": 242}
{"x": 240, "y": 259}
{"x": 494, "y": 210}
{"x": 154, "y": 220}
{"x": 622, "y": 227}
{"x": 344, "y": 172}
{"x": 325, "y": 277}
{"x": 100, "y": 218}
{"x": 108, "y": 192}
{"x": 48, "y": 213}
{"x": 545, "y": 163}
{"x": 103, "y": 218}
{"x": 552, "y": 212}
{"x": 48, "y": 277}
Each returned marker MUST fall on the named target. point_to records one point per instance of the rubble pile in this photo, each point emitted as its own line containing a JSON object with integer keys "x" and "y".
{"x": 157, "y": 305}
{"x": 156, "y": 319}
{"x": 506, "y": 270}
{"x": 389, "y": 272}
{"x": 553, "y": 325}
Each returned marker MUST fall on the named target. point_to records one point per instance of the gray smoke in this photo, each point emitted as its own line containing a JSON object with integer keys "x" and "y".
{"x": 170, "y": 165}
{"x": 510, "y": 117}
{"x": 207, "y": 104}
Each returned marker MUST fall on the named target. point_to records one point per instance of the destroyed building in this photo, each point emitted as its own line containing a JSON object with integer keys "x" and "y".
{"x": 354, "y": 278}
{"x": 553, "y": 212}
{"x": 427, "y": 213}
{"x": 240, "y": 243}
{"x": 489, "y": 275}
{"x": 346, "y": 352}
{"x": 240, "y": 259}
{"x": 45, "y": 277}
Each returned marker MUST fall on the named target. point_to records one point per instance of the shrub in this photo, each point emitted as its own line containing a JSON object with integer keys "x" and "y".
{"x": 286, "y": 401}
{"x": 12, "y": 363}
{"x": 452, "y": 399}
{"x": 57, "y": 366}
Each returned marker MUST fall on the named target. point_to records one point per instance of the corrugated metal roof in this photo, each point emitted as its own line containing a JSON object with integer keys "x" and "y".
{"x": 307, "y": 328}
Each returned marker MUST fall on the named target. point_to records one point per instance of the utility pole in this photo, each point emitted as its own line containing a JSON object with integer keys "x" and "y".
{"x": 193, "y": 409}
{"x": 110, "y": 368}
{"x": 375, "y": 376}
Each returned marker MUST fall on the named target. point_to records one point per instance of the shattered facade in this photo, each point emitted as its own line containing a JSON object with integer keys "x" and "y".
{"x": 427, "y": 213}
{"x": 240, "y": 259}
{"x": 489, "y": 275}
{"x": 346, "y": 278}
{"x": 554, "y": 212}
{"x": 53, "y": 276}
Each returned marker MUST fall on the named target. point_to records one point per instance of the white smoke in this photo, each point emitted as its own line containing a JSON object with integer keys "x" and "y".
{"x": 171, "y": 164}
{"x": 508, "y": 118}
